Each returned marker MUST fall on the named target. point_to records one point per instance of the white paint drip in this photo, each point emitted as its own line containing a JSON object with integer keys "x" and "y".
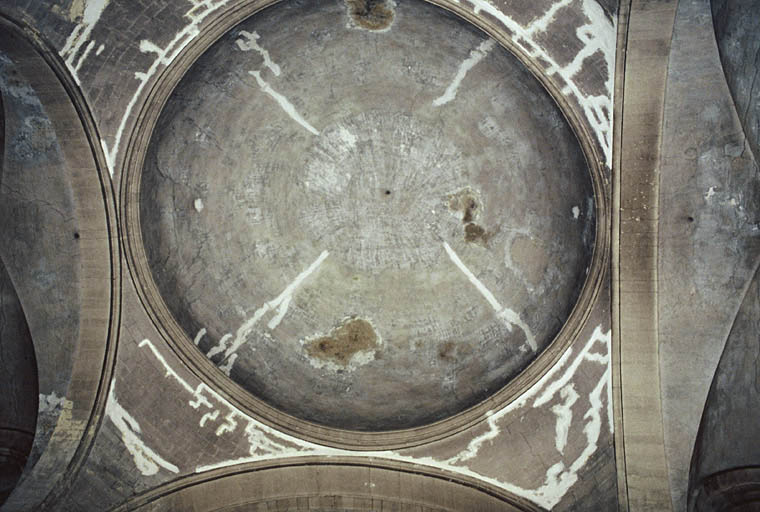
{"x": 220, "y": 347}
{"x": 598, "y": 35}
{"x": 209, "y": 416}
{"x": 227, "y": 367}
{"x": 164, "y": 56}
{"x": 564, "y": 414}
{"x": 476, "y": 56}
{"x": 199, "y": 336}
{"x": 146, "y": 460}
{"x": 576, "y": 212}
{"x": 198, "y": 205}
{"x": 282, "y": 302}
{"x": 542, "y": 23}
{"x": 507, "y": 315}
{"x": 267, "y": 443}
{"x": 168, "y": 369}
{"x": 86, "y": 52}
{"x": 710, "y": 193}
{"x": 80, "y": 35}
{"x": 281, "y": 100}
{"x": 100, "y": 49}
{"x": 247, "y": 42}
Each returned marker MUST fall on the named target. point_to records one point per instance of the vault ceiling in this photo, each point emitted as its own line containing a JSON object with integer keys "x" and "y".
{"x": 376, "y": 255}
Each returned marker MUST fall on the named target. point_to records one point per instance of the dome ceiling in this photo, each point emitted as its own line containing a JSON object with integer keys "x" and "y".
{"x": 367, "y": 229}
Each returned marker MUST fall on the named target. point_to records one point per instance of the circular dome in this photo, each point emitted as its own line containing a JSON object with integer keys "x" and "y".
{"x": 367, "y": 213}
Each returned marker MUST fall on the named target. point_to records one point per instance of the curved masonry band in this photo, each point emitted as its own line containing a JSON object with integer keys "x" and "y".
{"x": 350, "y": 481}
{"x": 96, "y": 345}
{"x": 640, "y": 445}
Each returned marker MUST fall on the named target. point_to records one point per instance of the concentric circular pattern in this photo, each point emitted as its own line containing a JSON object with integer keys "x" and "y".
{"x": 369, "y": 226}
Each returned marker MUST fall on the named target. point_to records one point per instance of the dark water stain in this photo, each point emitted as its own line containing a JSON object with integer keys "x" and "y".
{"x": 371, "y": 14}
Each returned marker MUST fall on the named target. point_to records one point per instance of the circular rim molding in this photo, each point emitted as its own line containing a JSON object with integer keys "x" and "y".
{"x": 204, "y": 369}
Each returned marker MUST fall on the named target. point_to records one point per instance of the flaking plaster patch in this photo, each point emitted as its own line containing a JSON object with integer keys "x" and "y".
{"x": 51, "y": 402}
{"x": 371, "y": 15}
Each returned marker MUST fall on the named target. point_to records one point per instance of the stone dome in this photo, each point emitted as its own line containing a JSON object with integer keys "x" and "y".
{"x": 367, "y": 229}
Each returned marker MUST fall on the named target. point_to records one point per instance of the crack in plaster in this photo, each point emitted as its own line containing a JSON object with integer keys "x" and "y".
{"x": 199, "y": 11}
{"x": 248, "y": 42}
{"x": 283, "y": 102}
{"x": 598, "y": 35}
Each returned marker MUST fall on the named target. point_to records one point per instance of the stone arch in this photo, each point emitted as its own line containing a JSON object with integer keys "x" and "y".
{"x": 61, "y": 253}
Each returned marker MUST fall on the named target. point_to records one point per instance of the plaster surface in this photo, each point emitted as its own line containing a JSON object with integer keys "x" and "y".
{"x": 728, "y": 434}
{"x": 18, "y": 409}
{"x": 708, "y": 235}
{"x": 736, "y": 26}
{"x": 33, "y": 193}
{"x": 374, "y": 242}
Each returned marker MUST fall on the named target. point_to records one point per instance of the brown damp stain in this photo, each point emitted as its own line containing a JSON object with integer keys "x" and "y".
{"x": 339, "y": 346}
{"x": 371, "y": 14}
{"x": 467, "y": 203}
{"x": 476, "y": 234}
{"x": 469, "y": 211}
